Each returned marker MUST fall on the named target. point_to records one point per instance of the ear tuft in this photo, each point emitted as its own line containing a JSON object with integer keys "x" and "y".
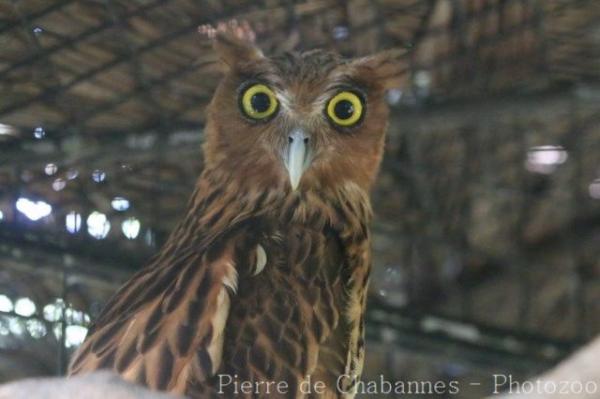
{"x": 234, "y": 51}
{"x": 233, "y": 42}
{"x": 390, "y": 68}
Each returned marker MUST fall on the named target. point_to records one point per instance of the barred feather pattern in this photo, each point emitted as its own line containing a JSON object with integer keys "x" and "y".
{"x": 199, "y": 310}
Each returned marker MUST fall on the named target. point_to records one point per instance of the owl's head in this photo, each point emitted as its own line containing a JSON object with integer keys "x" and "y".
{"x": 299, "y": 121}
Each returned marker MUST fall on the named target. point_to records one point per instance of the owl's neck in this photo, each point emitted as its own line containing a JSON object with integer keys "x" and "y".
{"x": 221, "y": 203}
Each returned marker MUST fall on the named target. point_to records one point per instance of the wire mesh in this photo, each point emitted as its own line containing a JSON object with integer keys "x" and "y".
{"x": 486, "y": 238}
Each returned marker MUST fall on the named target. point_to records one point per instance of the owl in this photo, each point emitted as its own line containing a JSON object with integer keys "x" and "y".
{"x": 260, "y": 290}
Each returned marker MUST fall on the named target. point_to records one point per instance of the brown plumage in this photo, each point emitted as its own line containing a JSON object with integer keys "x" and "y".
{"x": 265, "y": 278}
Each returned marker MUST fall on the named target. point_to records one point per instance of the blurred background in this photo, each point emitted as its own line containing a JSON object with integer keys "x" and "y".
{"x": 487, "y": 232}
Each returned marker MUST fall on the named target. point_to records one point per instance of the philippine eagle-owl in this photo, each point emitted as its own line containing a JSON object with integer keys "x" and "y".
{"x": 265, "y": 278}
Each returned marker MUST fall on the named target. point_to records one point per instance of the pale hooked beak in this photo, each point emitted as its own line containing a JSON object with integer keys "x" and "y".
{"x": 296, "y": 156}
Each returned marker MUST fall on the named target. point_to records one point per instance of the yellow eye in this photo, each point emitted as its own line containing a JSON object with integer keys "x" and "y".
{"x": 259, "y": 102}
{"x": 345, "y": 109}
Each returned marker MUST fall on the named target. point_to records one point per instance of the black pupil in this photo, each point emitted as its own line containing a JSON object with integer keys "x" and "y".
{"x": 260, "y": 102}
{"x": 344, "y": 109}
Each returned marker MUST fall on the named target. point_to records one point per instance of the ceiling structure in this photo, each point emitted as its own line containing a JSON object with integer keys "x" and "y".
{"x": 99, "y": 67}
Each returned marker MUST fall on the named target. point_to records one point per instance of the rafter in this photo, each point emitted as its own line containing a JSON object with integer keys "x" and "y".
{"x": 35, "y": 15}
{"x": 48, "y": 52}
{"x": 60, "y": 88}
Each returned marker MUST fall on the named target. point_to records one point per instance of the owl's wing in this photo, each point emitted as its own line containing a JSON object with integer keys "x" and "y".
{"x": 167, "y": 323}
{"x": 297, "y": 319}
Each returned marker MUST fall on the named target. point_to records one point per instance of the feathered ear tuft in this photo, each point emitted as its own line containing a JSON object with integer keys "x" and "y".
{"x": 233, "y": 42}
{"x": 389, "y": 69}
{"x": 234, "y": 51}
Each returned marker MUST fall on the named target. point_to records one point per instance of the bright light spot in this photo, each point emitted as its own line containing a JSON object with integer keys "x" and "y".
{"x": 33, "y": 210}
{"x": 75, "y": 335}
{"x": 340, "y": 32}
{"x": 57, "y": 330}
{"x": 6, "y": 129}
{"x": 98, "y": 175}
{"x": 6, "y": 304}
{"x": 548, "y": 155}
{"x": 393, "y": 96}
{"x": 98, "y": 225}
{"x": 51, "y": 169}
{"x": 72, "y": 174}
{"x": 595, "y": 189}
{"x": 74, "y": 316}
{"x": 59, "y": 184}
{"x": 39, "y": 132}
{"x": 131, "y": 228}
{"x": 423, "y": 79}
{"x": 36, "y": 328}
{"x": 545, "y": 159}
{"x": 15, "y": 326}
{"x": 1, "y": 215}
{"x": 53, "y": 311}
{"x": 24, "y": 307}
{"x": 37, "y": 30}
{"x": 73, "y": 222}
{"x": 120, "y": 204}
